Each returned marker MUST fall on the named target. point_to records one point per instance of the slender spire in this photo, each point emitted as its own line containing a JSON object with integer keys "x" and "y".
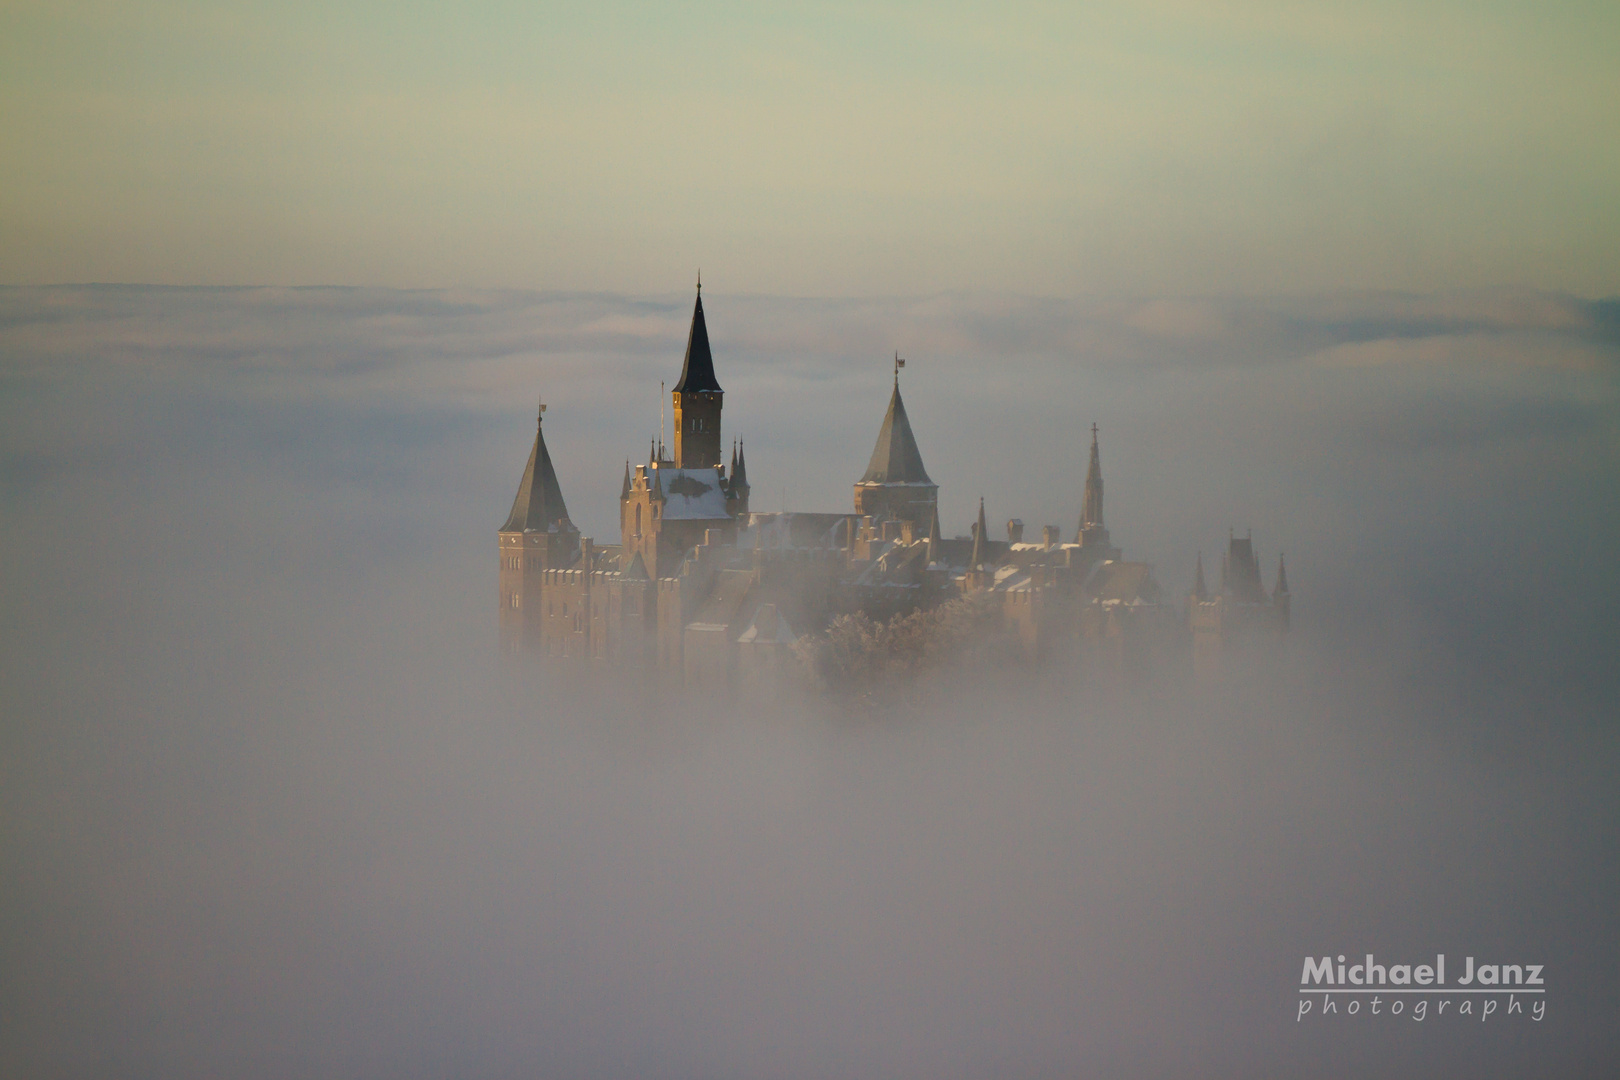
{"x": 538, "y": 506}
{"x": 977, "y": 560}
{"x": 733, "y": 472}
{"x": 895, "y": 458}
{"x": 1091, "y": 508}
{"x": 1200, "y": 592}
{"x": 624, "y": 492}
{"x": 697, "y": 371}
{"x": 933, "y": 536}
{"x": 739, "y": 478}
{"x": 1282, "y": 577}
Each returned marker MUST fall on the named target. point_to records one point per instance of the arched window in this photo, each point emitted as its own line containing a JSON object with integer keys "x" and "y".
{"x": 638, "y": 520}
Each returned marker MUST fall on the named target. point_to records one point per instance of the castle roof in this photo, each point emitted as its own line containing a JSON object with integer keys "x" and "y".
{"x": 895, "y": 458}
{"x": 697, "y": 372}
{"x": 539, "y": 503}
{"x": 688, "y": 494}
{"x": 1091, "y": 509}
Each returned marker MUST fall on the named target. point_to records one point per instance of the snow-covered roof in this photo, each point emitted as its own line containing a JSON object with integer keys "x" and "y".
{"x": 690, "y": 494}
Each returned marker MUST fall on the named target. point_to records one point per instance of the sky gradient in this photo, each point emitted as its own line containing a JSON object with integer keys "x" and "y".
{"x": 824, "y": 150}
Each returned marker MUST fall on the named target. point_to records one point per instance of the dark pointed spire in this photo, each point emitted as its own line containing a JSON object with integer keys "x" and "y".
{"x": 697, "y": 372}
{"x": 895, "y": 458}
{"x": 624, "y": 492}
{"x": 1200, "y": 592}
{"x": 739, "y": 474}
{"x": 1282, "y": 577}
{"x": 1091, "y": 508}
{"x": 933, "y": 537}
{"x": 977, "y": 560}
{"x": 539, "y": 503}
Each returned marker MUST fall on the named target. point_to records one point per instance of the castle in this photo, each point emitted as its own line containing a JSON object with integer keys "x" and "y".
{"x": 702, "y": 588}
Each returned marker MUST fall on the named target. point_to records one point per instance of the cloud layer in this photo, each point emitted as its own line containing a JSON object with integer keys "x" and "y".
{"x": 269, "y": 805}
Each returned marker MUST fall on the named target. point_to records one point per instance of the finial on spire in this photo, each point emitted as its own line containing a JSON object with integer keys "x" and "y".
{"x": 700, "y": 281}
{"x": 1094, "y": 433}
{"x": 899, "y": 362}
{"x": 542, "y": 414}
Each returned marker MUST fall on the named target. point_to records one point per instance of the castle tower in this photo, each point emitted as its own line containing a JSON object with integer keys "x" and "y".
{"x": 697, "y": 399}
{"x": 896, "y": 485}
{"x": 537, "y": 537}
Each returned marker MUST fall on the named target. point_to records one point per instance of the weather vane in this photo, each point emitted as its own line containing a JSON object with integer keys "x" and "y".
{"x": 542, "y": 415}
{"x": 899, "y": 362}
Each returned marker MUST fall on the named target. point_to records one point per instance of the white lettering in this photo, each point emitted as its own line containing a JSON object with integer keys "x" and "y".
{"x": 1423, "y": 974}
{"x": 1317, "y": 972}
{"x": 1400, "y": 974}
{"x": 1535, "y": 975}
{"x": 1468, "y": 972}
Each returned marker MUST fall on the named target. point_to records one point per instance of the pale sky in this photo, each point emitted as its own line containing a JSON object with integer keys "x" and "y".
{"x": 819, "y": 150}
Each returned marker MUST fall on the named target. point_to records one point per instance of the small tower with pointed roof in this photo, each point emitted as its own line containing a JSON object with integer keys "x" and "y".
{"x": 536, "y": 537}
{"x": 737, "y": 486}
{"x": 896, "y": 486}
{"x": 697, "y": 399}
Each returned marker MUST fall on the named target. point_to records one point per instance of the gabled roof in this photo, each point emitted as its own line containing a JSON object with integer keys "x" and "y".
{"x": 697, "y": 372}
{"x": 539, "y": 503}
{"x": 895, "y": 458}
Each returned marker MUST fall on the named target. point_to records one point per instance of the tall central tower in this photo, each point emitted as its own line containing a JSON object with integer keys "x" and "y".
{"x": 698, "y": 399}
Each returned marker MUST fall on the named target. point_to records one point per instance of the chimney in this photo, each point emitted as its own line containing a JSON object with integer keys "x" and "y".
{"x": 1015, "y": 531}
{"x": 1051, "y": 536}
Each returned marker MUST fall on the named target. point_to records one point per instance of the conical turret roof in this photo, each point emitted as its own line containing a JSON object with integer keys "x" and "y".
{"x": 977, "y": 559}
{"x": 895, "y": 458}
{"x": 1091, "y": 509}
{"x": 539, "y": 503}
{"x": 697, "y": 372}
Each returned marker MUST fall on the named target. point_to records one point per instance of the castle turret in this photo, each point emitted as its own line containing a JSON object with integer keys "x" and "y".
{"x": 537, "y": 537}
{"x": 737, "y": 489}
{"x": 976, "y": 560}
{"x": 896, "y": 485}
{"x": 1200, "y": 591}
{"x": 697, "y": 399}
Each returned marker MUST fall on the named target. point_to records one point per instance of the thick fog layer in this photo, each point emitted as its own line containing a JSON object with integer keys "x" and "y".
{"x": 271, "y": 806}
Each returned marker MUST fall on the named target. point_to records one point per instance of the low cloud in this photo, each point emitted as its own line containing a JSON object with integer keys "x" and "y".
{"x": 272, "y": 806}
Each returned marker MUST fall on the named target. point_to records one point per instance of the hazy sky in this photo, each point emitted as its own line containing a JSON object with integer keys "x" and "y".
{"x": 822, "y": 149}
